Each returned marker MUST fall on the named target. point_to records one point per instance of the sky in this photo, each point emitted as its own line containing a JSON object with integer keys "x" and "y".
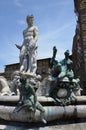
{"x": 56, "y": 24}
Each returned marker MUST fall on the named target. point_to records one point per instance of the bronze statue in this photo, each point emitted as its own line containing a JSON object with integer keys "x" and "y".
{"x": 28, "y": 98}
{"x": 62, "y": 88}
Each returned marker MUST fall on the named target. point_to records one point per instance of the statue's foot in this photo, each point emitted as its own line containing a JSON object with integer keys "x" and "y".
{"x": 31, "y": 109}
{"x": 47, "y": 95}
{"x": 44, "y": 121}
{"x": 42, "y": 118}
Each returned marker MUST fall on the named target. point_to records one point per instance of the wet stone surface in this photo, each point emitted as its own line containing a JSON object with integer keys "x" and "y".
{"x": 71, "y": 125}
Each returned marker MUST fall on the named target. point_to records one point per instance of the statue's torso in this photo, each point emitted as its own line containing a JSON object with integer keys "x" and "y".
{"x": 26, "y": 91}
{"x": 29, "y": 34}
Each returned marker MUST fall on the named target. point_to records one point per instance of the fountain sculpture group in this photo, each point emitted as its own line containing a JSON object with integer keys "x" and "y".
{"x": 59, "y": 86}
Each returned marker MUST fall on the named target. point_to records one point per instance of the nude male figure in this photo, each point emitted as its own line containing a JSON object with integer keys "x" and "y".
{"x": 28, "y": 49}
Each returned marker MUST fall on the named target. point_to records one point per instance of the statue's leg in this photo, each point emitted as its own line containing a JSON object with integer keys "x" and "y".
{"x": 28, "y": 63}
{"x": 23, "y": 66}
{"x": 42, "y": 111}
{"x": 33, "y": 63}
{"x": 22, "y": 54}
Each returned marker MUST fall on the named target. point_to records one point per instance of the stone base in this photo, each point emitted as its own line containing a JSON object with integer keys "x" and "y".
{"x": 73, "y": 126}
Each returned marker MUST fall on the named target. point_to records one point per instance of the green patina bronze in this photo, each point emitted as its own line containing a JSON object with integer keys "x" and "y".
{"x": 63, "y": 86}
{"x": 28, "y": 98}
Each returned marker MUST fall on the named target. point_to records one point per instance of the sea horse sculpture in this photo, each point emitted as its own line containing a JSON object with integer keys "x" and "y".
{"x": 4, "y": 87}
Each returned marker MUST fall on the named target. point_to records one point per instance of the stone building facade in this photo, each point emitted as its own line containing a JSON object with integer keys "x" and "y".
{"x": 9, "y": 69}
{"x": 79, "y": 43}
{"x": 42, "y": 68}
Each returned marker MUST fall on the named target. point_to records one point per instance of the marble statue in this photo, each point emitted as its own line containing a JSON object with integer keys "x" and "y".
{"x": 28, "y": 49}
{"x": 4, "y": 86}
{"x": 15, "y": 81}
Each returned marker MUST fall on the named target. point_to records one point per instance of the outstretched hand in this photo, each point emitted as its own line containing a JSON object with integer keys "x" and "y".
{"x": 18, "y": 46}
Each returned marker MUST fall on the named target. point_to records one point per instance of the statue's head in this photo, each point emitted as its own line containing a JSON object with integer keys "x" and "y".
{"x": 30, "y": 19}
{"x": 15, "y": 74}
{"x": 23, "y": 80}
{"x": 67, "y": 53}
{"x": 69, "y": 64}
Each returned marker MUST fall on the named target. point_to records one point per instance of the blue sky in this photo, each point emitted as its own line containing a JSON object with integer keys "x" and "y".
{"x": 55, "y": 20}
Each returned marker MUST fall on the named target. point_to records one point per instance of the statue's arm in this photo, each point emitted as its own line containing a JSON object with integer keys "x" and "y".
{"x": 53, "y": 61}
{"x": 35, "y": 97}
{"x": 18, "y": 46}
{"x": 54, "y": 52}
{"x": 35, "y": 34}
{"x": 20, "y": 95}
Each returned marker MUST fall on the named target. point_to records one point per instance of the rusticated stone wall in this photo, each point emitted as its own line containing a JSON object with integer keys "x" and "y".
{"x": 79, "y": 42}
